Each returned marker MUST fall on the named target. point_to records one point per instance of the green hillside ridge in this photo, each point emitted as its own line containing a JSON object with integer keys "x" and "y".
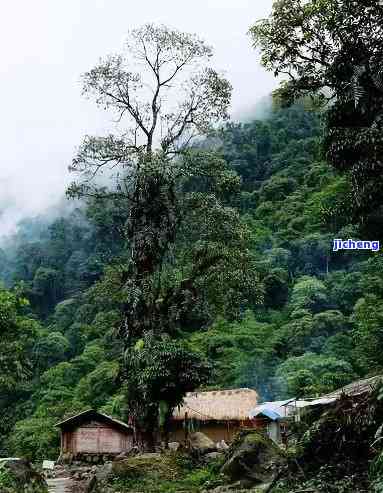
{"x": 317, "y": 327}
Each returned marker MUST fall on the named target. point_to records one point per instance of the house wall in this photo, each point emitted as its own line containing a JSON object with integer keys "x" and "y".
{"x": 216, "y": 431}
{"x": 96, "y": 438}
{"x": 274, "y": 431}
{"x": 272, "y": 428}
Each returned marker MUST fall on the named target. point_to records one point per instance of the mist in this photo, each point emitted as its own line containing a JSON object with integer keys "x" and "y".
{"x": 49, "y": 46}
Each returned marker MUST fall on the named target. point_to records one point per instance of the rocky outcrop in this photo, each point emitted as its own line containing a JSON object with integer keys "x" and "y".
{"x": 159, "y": 465}
{"x": 253, "y": 459}
{"x": 200, "y": 443}
{"x": 18, "y": 476}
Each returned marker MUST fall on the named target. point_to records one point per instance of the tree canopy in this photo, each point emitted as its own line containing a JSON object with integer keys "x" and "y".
{"x": 331, "y": 50}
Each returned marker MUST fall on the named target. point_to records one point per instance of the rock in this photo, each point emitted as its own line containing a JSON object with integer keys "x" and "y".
{"x": 201, "y": 443}
{"x": 20, "y": 476}
{"x": 255, "y": 458}
{"x": 78, "y": 476}
{"x": 133, "y": 466}
{"x": 91, "y": 485}
{"x": 150, "y": 465}
{"x": 121, "y": 456}
{"x": 212, "y": 456}
{"x": 222, "y": 445}
{"x": 127, "y": 453}
{"x": 174, "y": 446}
{"x": 229, "y": 488}
{"x": 240, "y": 487}
{"x": 103, "y": 472}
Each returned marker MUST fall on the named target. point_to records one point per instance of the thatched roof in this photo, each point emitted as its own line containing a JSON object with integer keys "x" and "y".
{"x": 359, "y": 387}
{"x": 220, "y": 405}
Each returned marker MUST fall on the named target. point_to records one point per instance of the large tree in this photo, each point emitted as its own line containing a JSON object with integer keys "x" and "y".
{"x": 184, "y": 241}
{"x": 333, "y": 49}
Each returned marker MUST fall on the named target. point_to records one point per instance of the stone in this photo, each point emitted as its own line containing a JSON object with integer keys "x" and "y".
{"x": 212, "y": 456}
{"x": 77, "y": 476}
{"x": 254, "y": 458}
{"x": 132, "y": 466}
{"x": 153, "y": 465}
{"x": 60, "y": 472}
{"x": 201, "y": 443}
{"x": 222, "y": 445}
{"x": 127, "y": 453}
{"x": 121, "y": 456}
{"x": 174, "y": 446}
{"x": 229, "y": 488}
{"x": 91, "y": 485}
{"x": 103, "y": 472}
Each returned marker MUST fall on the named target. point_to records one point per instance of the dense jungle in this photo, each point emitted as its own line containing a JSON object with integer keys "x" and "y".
{"x": 206, "y": 261}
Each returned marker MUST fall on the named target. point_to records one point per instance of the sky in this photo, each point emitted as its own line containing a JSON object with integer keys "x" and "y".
{"x": 48, "y": 44}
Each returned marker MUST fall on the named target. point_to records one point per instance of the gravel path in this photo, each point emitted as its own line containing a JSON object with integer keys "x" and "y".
{"x": 59, "y": 485}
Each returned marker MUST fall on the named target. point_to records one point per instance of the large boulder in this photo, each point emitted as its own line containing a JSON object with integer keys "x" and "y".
{"x": 201, "y": 443}
{"x": 161, "y": 465}
{"x": 254, "y": 458}
{"x": 18, "y": 476}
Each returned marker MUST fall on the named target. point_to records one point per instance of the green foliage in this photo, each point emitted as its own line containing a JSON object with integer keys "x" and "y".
{"x": 36, "y": 438}
{"x": 30, "y": 482}
{"x": 96, "y": 387}
{"x": 16, "y": 337}
{"x": 312, "y": 375}
{"x": 368, "y": 333}
{"x": 6, "y": 480}
{"x": 159, "y": 373}
{"x": 242, "y": 352}
{"x": 170, "y": 473}
{"x": 309, "y": 294}
{"x": 254, "y": 291}
{"x": 314, "y": 43}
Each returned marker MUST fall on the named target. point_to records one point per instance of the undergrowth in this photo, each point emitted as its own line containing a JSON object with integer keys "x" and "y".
{"x": 185, "y": 475}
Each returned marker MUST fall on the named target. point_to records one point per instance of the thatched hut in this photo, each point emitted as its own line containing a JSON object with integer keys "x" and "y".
{"x": 218, "y": 414}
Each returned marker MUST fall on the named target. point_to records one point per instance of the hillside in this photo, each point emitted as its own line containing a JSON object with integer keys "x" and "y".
{"x": 315, "y": 328}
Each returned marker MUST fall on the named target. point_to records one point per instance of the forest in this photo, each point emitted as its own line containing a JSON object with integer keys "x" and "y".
{"x": 313, "y": 326}
{"x": 204, "y": 262}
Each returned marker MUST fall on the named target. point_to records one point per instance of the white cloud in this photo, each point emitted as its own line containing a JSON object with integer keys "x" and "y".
{"x": 47, "y": 45}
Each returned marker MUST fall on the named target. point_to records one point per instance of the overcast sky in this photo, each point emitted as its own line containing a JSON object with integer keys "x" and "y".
{"x": 47, "y": 44}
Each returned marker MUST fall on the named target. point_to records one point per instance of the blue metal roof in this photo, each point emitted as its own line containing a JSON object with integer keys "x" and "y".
{"x": 269, "y": 413}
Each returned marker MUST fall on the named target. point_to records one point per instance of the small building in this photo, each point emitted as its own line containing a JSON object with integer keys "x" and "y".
{"x": 272, "y": 417}
{"x": 218, "y": 414}
{"x": 91, "y": 433}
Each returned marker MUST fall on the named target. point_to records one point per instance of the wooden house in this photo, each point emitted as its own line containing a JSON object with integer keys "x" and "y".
{"x": 91, "y": 433}
{"x": 218, "y": 414}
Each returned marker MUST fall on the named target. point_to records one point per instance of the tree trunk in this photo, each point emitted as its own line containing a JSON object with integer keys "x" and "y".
{"x": 148, "y": 441}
